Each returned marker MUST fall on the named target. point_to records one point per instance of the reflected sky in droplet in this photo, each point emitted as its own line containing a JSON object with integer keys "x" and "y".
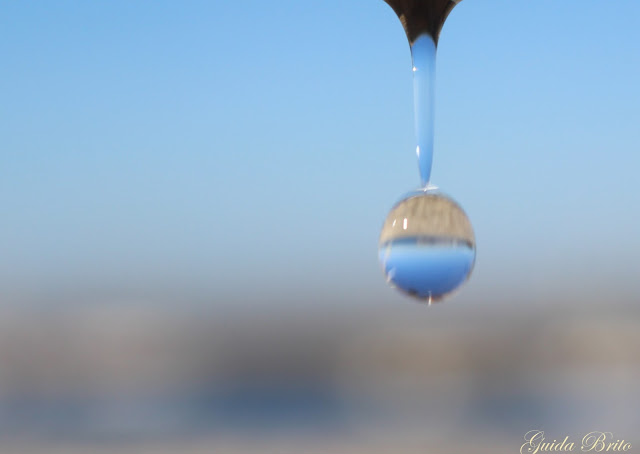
{"x": 425, "y": 267}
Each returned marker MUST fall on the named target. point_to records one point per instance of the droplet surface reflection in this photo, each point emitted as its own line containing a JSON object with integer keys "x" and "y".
{"x": 427, "y": 246}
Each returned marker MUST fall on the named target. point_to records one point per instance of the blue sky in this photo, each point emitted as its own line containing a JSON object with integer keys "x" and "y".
{"x": 243, "y": 150}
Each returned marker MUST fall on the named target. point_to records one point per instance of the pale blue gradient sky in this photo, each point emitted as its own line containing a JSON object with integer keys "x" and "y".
{"x": 245, "y": 150}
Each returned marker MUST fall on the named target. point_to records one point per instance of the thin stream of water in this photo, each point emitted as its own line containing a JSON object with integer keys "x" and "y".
{"x": 423, "y": 53}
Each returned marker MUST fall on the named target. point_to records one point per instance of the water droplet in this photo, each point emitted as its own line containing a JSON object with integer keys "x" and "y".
{"x": 427, "y": 246}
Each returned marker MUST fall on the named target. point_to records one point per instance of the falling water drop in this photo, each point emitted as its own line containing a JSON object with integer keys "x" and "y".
{"x": 427, "y": 246}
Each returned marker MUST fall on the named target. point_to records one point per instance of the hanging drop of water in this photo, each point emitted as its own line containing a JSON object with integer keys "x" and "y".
{"x": 427, "y": 246}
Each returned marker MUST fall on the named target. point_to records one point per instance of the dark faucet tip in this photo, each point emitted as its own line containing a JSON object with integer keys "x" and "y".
{"x": 422, "y": 16}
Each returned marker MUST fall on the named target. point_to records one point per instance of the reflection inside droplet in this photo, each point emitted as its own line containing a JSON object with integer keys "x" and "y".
{"x": 431, "y": 251}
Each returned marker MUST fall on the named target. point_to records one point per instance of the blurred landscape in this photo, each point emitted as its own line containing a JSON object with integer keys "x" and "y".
{"x": 448, "y": 378}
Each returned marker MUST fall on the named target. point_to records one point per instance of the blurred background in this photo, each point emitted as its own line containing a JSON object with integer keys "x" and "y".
{"x": 191, "y": 198}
